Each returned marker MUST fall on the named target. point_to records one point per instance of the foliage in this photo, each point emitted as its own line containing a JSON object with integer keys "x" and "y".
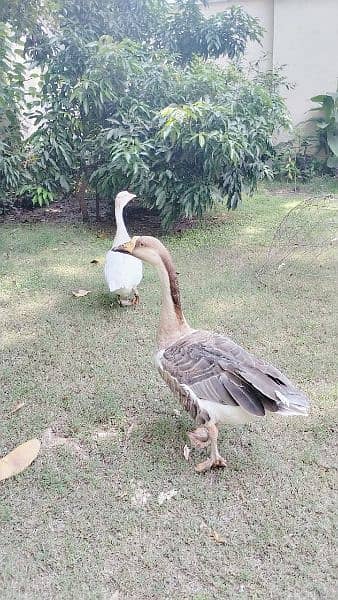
{"x": 294, "y": 161}
{"x": 186, "y": 31}
{"x": 327, "y": 126}
{"x": 311, "y": 153}
{"x": 11, "y": 100}
{"x": 149, "y": 112}
{"x": 177, "y": 158}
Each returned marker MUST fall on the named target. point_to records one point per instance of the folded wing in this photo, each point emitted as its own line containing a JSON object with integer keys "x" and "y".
{"x": 215, "y": 368}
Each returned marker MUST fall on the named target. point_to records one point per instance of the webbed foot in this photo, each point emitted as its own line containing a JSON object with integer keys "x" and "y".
{"x": 210, "y": 463}
{"x": 124, "y": 301}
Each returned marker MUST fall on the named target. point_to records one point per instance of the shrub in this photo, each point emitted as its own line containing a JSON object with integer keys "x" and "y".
{"x": 151, "y": 113}
{"x": 327, "y": 126}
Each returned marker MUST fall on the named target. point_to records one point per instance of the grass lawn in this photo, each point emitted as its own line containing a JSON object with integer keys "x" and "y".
{"x": 85, "y": 521}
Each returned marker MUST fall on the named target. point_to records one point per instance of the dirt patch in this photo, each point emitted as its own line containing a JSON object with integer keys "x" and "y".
{"x": 67, "y": 211}
{"x": 139, "y": 219}
{"x": 50, "y": 439}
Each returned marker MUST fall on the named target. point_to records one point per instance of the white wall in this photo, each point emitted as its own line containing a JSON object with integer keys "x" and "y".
{"x": 306, "y": 40}
{"x": 301, "y": 34}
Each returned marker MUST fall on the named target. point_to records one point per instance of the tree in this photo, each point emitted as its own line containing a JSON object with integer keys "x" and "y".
{"x": 149, "y": 111}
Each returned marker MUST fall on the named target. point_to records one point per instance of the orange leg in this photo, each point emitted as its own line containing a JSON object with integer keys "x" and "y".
{"x": 215, "y": 459}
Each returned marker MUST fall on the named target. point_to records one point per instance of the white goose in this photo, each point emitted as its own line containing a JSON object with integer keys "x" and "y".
{"x": 122, "y": 273}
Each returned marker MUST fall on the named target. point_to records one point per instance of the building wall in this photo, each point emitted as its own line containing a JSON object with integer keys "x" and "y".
{"x": 301, "y": 34}
{"x": 306, "y": 40}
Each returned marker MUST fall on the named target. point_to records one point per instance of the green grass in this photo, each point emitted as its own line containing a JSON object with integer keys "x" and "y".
{"x": 73, "y": 525}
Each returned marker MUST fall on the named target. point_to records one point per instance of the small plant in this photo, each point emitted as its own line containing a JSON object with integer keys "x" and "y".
{"x": 327, "y": 126}
{"x": 295, "y": 161}
{"x": 38, "y": 195}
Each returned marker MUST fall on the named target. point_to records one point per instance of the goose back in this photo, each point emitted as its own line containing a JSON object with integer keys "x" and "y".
{"x": 217, "y": 379}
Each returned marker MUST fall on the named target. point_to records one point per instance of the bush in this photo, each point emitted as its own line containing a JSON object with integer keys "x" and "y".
{"x": 150, "y": 113}
{"x": 212, "y": 136}
{"x": 327, "y": 127}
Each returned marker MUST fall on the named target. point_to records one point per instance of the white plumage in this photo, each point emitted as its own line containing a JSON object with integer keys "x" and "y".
{"x": 122, "y": 272}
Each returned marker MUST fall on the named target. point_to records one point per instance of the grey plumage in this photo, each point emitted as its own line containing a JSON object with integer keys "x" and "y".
{"x": 214, "y": 368}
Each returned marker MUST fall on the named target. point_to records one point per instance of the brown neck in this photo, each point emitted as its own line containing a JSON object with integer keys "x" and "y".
{"x": 172, "y": 322}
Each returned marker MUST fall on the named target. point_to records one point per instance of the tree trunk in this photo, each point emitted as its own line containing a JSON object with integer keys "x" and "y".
{"x": 97, "y": 207}
{"x": 80, "y": 196}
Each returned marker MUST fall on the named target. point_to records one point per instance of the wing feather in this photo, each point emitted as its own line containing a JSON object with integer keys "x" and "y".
{"x": 217, "y": 369}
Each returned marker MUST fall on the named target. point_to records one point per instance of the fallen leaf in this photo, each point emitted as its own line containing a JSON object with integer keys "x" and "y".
{"x": 80, "y": 293}
{"x": 186, "y": 452}
{"x": 163, "y": 496}
{"x": 217, "y": 537}
{"x": 95, "y": 261}
{"x": 101, "y": 235}
{"x": 17, "y": 407}
{"x": 19, "y": 459}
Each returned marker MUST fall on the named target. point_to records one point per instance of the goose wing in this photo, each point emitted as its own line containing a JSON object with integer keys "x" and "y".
{"x": 214, "y": 368}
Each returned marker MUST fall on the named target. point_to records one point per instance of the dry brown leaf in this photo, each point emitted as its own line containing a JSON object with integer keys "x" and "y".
{"x": 19, "y": 459}
{"x": 101, "y": 235}
{"x": 80, "y": 293}
{"x": 17, "y": 407}
{"x": 217, "y": 537}
{"x": 95, "y": 261}
{"x": 186, "y": 452}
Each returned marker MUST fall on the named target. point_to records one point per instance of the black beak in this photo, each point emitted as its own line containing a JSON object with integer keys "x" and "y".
{"x": 120, "y": 250}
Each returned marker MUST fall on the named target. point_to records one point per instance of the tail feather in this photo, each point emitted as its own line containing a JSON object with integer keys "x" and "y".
{"x": 292, "y": 403}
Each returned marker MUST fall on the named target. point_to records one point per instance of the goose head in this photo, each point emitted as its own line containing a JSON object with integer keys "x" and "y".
{"x": 146, "y": 248}
{"x": 123, "y": 198}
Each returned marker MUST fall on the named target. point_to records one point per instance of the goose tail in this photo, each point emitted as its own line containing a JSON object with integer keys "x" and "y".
{"x": 292, "y": 403}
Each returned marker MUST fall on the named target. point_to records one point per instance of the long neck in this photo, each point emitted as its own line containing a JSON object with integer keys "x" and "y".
{"x": 121, "y": 231}
{"x": 172, "y": 322}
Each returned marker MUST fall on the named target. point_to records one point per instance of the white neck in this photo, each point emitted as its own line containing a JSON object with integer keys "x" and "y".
{"x": 121, "y": 235}
{"x": 172, "y": 324}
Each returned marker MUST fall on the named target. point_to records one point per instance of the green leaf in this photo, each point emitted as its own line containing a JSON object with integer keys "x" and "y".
{"x": 201, "y": 140}
{"x": 322, "y": 125}
{"x": 332, "y": 140}
{"x": 64, "y": 183}
{"x": 320, "y": 98}
{"x": 332, "y": 162}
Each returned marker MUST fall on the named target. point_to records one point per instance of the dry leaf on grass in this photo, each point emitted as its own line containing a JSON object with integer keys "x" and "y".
{"x": 17, "y": 407}
{"x": 212, "y": 533}
{"x": 163, "y": 496}
{"x": 80, "y": 293}
{"x": 19, "y": 459}
{"x": 216, "y": 536}
{"x": 186, "y": 452}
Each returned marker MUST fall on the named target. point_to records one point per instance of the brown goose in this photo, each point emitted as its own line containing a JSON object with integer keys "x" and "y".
{"x": 217, "y": 380}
